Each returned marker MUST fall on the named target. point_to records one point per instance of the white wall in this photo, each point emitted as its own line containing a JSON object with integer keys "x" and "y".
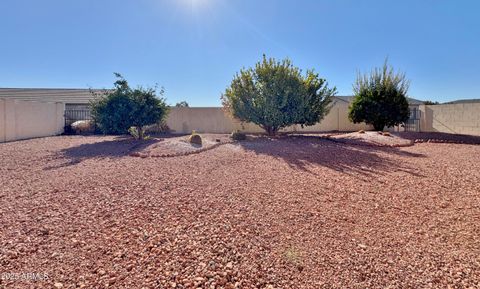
{"x": 462, "y": 118}
{"x": 215, "y": 120}
{"x": 28, "y": 119}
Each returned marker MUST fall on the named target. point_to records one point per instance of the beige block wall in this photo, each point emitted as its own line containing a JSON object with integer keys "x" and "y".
{"x": 205, "y": 119}
{"x": 215, "y": 120}
{"x": 28, "y": 119}
{"x": 463, "y": 118}
{"x": 2, "y": 121}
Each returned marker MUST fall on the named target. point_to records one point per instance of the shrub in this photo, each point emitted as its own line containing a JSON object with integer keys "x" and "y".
{"x": 275, "y": 95}
{"x": 124, "y": 107}
{"x": 429, "y": 102}
{"x": 195, "y": 138}
{"x": 380, "y": 98}
{"x": 182, "y": 104}
{"x": 238, "y": 135}
{"x": 133, "y": 131}
{"x": 112, "y": 113}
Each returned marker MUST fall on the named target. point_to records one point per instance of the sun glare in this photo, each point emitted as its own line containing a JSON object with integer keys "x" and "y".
{"x": 197, "y": 4}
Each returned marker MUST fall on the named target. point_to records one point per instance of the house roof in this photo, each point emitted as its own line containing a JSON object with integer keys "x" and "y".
{"x": 477, "y": 100}
{"x": 347, "y": 99}
{"x": 413, "y": 101}
{"x": 83, "y": 96}
{"x": 67, "y": 95}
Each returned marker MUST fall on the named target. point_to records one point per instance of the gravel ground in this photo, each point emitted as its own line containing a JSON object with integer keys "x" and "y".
{"x": 440, "y": 137}
{"x": 172, "y": 146}
{"x": 372, "y": 138}
{"x": 266, "y": 213}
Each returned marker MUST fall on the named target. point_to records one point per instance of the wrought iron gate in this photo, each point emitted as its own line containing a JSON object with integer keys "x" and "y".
{"x": 413, "y": 122}
{"x": 73, "y": 114}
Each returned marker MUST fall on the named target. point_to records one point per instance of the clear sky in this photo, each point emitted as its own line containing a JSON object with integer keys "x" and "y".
{"x": 194, "y": 47}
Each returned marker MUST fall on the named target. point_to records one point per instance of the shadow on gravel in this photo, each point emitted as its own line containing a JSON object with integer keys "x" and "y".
{"x": 439, "y": 136}
{"x": 301, "y": 152}
{"x": 119, "y": 147}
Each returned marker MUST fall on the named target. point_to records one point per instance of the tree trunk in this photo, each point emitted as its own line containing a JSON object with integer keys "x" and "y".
{"x": 271, "y": 131}
{"x": 140, "y": 133}
{"x": 379, "y": 126}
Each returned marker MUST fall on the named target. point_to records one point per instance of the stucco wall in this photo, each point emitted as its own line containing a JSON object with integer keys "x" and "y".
{"x": 28, "y": 119}
{"x": 461, "y": 118}
{"x": 215, "y": 120}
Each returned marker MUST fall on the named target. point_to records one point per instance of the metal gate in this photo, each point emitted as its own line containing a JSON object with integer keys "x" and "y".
{"x": 413, "y": 122}
{"x": 73, "y": 114}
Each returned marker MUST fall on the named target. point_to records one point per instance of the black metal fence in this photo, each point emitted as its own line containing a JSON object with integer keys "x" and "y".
{"x": 413, "y": 122}
{"x": 76, "y": 114}
{"x": 73, "y": 115}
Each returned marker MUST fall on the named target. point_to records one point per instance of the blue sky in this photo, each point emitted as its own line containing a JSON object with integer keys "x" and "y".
{"x": 194, "y": 47}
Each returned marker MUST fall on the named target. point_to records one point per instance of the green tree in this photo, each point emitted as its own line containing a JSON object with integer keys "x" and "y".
{"x": 380, "y": 98}
{"x": 182, "y": 103}
{"x": 116, "y": 111}
{"x": 275, "y": 94}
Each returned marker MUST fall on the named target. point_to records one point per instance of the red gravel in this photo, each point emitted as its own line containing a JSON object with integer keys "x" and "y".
{"x": 437, "y": 137}
{"x": 372, "y": 138}
{"x": 173, "y": 146}
{"x": 266, "y": 213}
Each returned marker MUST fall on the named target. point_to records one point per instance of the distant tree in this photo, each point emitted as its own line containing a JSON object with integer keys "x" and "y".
{"x": 275, "y": 94}
{"x": 118, "y": 110}
{"x": 182, "y": 104}
{"x": 429, "y": 102}
{"x": 380, "y": 98}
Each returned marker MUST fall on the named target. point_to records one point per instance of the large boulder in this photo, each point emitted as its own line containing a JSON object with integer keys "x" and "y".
{"x": 195, "y": 139}
{"x": 83, "y": 126}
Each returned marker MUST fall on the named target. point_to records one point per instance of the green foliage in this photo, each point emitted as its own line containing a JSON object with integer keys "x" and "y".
{"x": 133, "y": 132}
{"x": 182, "y": 104}
{"x": 380, "y": 98}
{"x": 138, "y": 133}
{"x": 275, "y": 94}
{"x": 112, "y": 112}
{"x": 238, "y": 135}
{"x": 116, "y": 111}
{"x": 195, "y": 138}
{"x": 429, "y": 102}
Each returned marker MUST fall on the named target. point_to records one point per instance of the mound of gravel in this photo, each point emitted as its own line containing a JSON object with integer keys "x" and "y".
{"x": 180, "y": 146}
{"x": 372, "y": 138}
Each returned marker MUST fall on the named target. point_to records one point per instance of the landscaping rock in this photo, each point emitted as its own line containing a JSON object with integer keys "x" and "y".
{"x": 355, "y": 216}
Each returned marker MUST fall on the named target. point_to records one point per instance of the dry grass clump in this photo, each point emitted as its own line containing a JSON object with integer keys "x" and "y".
{"x": 293, "y": 256}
